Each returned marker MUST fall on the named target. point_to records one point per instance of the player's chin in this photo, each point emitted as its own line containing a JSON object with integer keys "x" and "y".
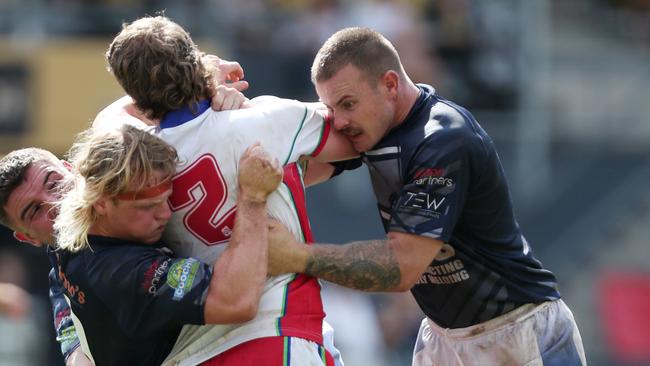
{"x": 361, "y": 145}
{"x": 154, "y": 238}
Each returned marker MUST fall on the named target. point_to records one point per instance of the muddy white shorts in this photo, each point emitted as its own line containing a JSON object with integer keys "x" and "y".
{"x": 533, "y": 334}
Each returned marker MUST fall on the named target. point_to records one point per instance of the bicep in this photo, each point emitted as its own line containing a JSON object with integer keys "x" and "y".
{"x": 336, "y": 148}
{"x": 414, "y": 253}
{"x": 316, "y": 172}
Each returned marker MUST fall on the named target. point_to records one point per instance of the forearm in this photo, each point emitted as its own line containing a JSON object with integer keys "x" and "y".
{"x": 364, "y": 265}
{"x": 240, "y": 272}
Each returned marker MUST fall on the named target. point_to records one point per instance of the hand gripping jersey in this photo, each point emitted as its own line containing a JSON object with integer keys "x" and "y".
{"x": 438, "y": 175}
{"x": 209, "y": 146}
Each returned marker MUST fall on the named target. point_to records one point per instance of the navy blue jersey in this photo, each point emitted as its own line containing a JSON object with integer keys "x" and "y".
{"x": 66, "y": 334}
{"x": 131, "y": 300}
{"x": 438, "y": 175}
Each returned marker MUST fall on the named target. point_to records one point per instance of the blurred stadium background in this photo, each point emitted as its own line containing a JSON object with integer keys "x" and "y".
{"x": 562, "y": 87}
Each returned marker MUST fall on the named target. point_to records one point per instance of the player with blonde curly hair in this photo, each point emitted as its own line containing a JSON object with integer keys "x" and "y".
{"x": 129, "y": 294}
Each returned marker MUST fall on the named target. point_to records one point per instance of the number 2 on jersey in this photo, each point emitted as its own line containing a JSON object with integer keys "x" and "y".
{"x": 202, "y": 187}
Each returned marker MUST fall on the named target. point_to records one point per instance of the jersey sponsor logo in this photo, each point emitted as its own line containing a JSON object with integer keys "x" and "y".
{"x": 450, "y": 272}
{"x": 429, "y": 172}
{"x": 434, "y": 181}
{"x": 181, "y": 276}
{"x": 73, "y": 291}
{"x": 432, "y": 176}
{"x": 153, "y": 274}
{"x": 422, "y": 203}
{"x": 60, "y": 316}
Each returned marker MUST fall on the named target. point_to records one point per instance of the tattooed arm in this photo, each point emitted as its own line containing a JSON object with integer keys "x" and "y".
{"x": 394, "y": 264}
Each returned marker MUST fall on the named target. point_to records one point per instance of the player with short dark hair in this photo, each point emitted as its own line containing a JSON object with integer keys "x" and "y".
{"x": 444, "y": 201}
{"x": 30, "y": 181}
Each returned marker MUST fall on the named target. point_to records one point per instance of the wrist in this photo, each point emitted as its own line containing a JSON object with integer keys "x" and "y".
{"x": 252, "y": 198}
{"x": 302, "y": 258}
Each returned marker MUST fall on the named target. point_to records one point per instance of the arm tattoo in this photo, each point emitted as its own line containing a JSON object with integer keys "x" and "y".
{"x": 363, "y": 265}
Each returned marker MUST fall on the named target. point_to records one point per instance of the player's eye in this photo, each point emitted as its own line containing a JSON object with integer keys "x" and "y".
{"x": 35, "y": 210}
{"x": 348, "y": 105}
{"x": 52, "y": 185}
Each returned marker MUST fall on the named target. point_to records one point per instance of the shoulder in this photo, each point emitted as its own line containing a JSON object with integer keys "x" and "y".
{"x": 116, "y": 255}
{"x": 272, "y": 104}
{"x": 449, "y": 123}
{"x": 448, "y": 133}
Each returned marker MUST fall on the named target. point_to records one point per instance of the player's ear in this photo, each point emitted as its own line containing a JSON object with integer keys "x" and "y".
{"x": 101, "y": 206}
{"x": 390, "y": 81}
{"x": 25, "y": 238}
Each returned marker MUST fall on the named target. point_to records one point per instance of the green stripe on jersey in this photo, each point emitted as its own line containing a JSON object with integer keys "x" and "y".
{"x": 295, "y": 137}
{"x": 285, "y": 353}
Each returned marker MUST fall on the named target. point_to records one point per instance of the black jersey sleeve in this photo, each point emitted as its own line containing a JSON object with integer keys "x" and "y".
{"x": 435, "y": 186}
{"x": 147, "y": 290}
{"x": 343, "y": 165}
{"x": 66, "y": 333}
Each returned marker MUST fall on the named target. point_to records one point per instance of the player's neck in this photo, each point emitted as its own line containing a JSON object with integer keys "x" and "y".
{"x": 406, "y": 100}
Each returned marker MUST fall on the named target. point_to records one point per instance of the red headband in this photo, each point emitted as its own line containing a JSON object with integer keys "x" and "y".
{"x": 149, "y": 192}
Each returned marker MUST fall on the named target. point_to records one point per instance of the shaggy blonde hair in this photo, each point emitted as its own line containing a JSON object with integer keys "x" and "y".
{"x": 107, "y": 162}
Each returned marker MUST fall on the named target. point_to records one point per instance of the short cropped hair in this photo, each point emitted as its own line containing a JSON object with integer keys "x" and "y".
{"x": 107, "y": 162}
{"x": 363, "y": 48}
{"x": 159, "y": 66}
{"x": 13, "y": 167}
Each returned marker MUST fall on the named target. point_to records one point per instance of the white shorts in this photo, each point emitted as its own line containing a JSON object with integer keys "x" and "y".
{"x": 533, "y": 334}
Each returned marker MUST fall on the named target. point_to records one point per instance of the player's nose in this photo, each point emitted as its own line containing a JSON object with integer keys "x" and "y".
{"x": 164, "y": 212}
{"x": 340, "y": 122}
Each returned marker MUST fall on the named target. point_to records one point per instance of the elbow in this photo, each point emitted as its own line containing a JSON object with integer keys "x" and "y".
{"x": 407, "y": 281}
{"x": 403, "y": 286}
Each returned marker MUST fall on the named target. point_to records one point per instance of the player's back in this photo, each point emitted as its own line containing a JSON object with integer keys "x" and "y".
{"x": 205, "y": 186}
{"x": 203, "y": 203}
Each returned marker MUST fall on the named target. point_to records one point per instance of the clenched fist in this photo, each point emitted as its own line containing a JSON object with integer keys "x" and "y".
{"x": 259, "y": 174}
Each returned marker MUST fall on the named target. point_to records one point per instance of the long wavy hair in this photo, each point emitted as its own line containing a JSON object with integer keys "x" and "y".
{"x": 159, "y": 66}
{"x": 107, "y": 162}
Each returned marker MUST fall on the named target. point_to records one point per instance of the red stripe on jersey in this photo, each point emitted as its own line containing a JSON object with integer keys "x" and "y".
{"x": 327, "y": 126}
{"x": 293, "y": 181}
{"x": 303, "y": 310}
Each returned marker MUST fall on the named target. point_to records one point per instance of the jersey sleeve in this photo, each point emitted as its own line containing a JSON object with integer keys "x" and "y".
{"x": 435, "y": 189}
{"x": 148, "y": 291}
{"x": 343, "y": 165}
{"x": 66, "y": 333}
{"x": 290, "y": 129}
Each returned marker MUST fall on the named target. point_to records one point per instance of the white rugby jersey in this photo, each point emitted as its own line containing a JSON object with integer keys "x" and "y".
{"x": 203, "y": 203}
